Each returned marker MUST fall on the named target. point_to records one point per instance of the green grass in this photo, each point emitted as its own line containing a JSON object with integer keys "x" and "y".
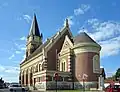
{"x": 69, "y": 91}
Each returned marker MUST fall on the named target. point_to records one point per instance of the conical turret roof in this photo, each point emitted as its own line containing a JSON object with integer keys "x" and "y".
{"x": 83, "y": 38}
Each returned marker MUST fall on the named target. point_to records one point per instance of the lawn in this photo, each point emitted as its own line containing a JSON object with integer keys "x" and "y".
{"x": 69, "y": 91}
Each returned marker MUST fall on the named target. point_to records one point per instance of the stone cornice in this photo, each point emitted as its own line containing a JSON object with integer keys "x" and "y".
{"x": 87, "y": 45}
{"x": 26, "y": 62}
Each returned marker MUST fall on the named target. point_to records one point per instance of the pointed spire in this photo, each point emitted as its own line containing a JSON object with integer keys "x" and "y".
{"x": 67, "y": 24}
{"x": 34, "y": 27}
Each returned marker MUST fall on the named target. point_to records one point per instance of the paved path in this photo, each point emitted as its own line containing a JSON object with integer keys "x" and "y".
{"x": 4, "y": 90}
{"x": 7, "y": 90}
{"x": 62, "y": 91}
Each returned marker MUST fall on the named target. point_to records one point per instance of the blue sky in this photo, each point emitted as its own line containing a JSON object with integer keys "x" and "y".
{"x": 99, "y": 18}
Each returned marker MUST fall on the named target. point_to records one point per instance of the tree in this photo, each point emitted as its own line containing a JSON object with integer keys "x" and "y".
{"x": 1, "y": 83}
{"x": 117, "y": 74}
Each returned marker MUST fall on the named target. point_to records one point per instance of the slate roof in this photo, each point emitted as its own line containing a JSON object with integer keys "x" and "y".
{"x": 83, "y": 37}
{"x": 34, "y": 27}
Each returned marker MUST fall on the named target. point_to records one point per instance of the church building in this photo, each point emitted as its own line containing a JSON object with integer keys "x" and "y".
{"x": 76, "y": 60}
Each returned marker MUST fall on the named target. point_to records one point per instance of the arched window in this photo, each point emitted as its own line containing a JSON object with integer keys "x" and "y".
{"x": 36, "y": 68}
{"x": 39, "y": 67}
{"x": 23, "y": 78}
{"x": 20, "y": 77}
{"x": 31, "y": 72}
{"x": 63, "y": 65}
{"x": 27, "y": 77}
{"x": 96, "y": 64}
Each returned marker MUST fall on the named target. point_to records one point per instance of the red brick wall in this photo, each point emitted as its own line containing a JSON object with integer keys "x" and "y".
{"x": 84, "y": 64}
{"x": 52, "y": 52}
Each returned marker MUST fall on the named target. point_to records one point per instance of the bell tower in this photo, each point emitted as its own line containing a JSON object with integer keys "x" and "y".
{"x": 34, "y": 39}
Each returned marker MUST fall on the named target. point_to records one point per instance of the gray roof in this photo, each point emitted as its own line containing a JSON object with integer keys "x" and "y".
{"x": 34, "y": 27}
{"x": 83, "y": 37}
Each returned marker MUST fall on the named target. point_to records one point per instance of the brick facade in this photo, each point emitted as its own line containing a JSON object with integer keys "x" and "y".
{"x": 37, "y": 70}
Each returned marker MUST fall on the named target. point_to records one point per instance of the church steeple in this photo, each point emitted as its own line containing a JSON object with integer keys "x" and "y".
{"x": 34, "y": 27}
{"x": 34, "y": 39}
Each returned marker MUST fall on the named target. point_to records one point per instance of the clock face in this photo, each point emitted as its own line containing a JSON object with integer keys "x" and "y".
{"x": 36, "y": 39}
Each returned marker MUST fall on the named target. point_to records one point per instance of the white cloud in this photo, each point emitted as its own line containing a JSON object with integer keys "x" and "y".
{"x": 1, "y": 68}
{"x": 110, "y": 47}
{"x": 20, "y": 47}
{"x": 101, "y": 67}
{"x": 17, "y": 52}
{"x": 24, "y": 56}
{"x": 12, "y": 56}
{"x": 11, "y": 79}
{"x": 83, "y": 30}
{"x": 23, "y": 38}
{"x": 27, "y": 18}
{"x": 70, "y": 21}
{"x": 94, "y": 22}
{"x": 10, "y": 73}
{"x": 23, "y": 48}
{"x": 107, "y": 34}
{"x": 82, "y": 9}
{"x": 12, "y": 70}
{"x": 104, "y": 30}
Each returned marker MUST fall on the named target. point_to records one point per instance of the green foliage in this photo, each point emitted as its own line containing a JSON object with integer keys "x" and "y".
{"x": 1, "y": 81}
{"x": 117, "y": 74}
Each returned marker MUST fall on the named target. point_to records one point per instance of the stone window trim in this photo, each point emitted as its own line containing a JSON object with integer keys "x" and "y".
{"x": 63, "y": 65}
{"x": 96, "y": 62}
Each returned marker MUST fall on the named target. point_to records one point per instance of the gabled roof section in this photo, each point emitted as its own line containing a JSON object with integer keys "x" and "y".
{"x": 34, "y": 27}
{"x": 47, "y": 43}
{"x": 67, "y": 43}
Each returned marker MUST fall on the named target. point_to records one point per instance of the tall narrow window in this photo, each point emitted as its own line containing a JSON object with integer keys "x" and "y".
{"x": 40, "y": 67}
{"x": 96, "y": 64}
{"x": 64, "y": 66}
{"x": 27, "y": 77}
{"x": 31, "y": 71}
{"x": 36, "y": 68}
